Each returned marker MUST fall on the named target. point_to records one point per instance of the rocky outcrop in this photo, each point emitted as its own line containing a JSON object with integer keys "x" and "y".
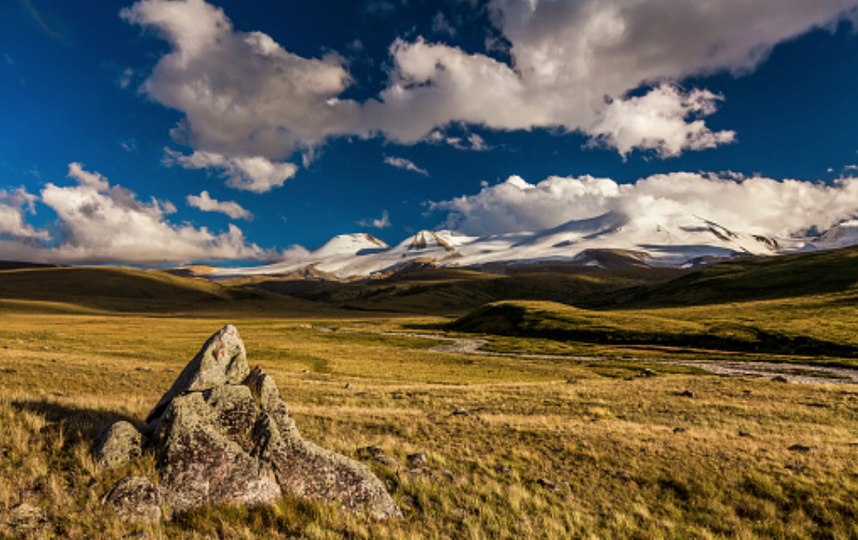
{"x": 223, "y": 435}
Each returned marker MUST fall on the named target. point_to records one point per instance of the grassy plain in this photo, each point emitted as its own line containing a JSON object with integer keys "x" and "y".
{"x": 613, "y": 454}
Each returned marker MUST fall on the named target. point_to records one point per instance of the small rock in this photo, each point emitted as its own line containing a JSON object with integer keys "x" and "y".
{"x": 348, "y": 385}
{"x": 800, "y": 448}
{"x": 461, "y": 411}
{"x": 370, "y": 452}
{"x": 679, "y": 430}
{"x": 547, "y": 484}
{"x": 572, "y": 381}
{"x": 387, "y": 461}
{"x": 417, "y": 459}
{"x": 797, "y": 468}
{"x": 135, "y": 499}
{"x": 25, "y": 520}
{"x": 502, "y": 469}
{"x": 780, "y": 378}
{"x": 647, "y": 372}
{"x": 447, "y": 474}
{"x": 623, "y": 475}
{"x": 745, "y": 434}
{"x": 305, "y": 371}
{"x": 687, "y": 393}
{"x": 8, "y": 370}
{"x": 143, "y": 369}
{"x": 409, "y": 501}
{"x": 116, "y": 445}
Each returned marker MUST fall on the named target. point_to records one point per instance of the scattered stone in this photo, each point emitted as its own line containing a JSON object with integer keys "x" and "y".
{"x": 447, "y": 474}
{"x": 116, "y": 445}
{"x": 135, "y": 499}
{"x": 223, "y": 435}
{"x": 143, "y": 369}
{"x": 780, "y": 378}
{"x": 409, "y": 501}
{"x": 547, "y": 484}
{"x": 745, "y": 434}
{"x": 687, "y": 393}
{"x": 24, "y": 520}
{"x": 387, "y": 461}
{"x": 572, "y": 381}
{"x": 8, "y": 370}
{"x": 647, "y": 372}
{"x": 797, "y": 468}
{"x": 502, "y": 469}
{"x": 679, "y": 430}
{"x": 305, "y": 371}
{"x": 461, "y": 411}
{"x": 369, "y": 452}
{"x": 800, "y": 448}
{"x": 460, "y": 513}
{"x": 623, "y": 475}
{"x": 417, "y": 459}
{"x": 348, "y": 385}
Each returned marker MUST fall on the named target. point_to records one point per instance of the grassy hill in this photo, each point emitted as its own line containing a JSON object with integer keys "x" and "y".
{"x": 803, "y": 304}
{"x": 128, "y": 290}
{"x": 452, "y": 291}
{"x": 766, "y": 278}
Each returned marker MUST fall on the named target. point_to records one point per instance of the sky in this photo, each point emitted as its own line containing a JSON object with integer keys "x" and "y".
{"x": 163, "y": 132}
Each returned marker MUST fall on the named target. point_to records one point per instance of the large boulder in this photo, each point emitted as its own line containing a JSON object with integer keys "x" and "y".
{"x": 223, "y": 434}
{"x": 222, "y": 360}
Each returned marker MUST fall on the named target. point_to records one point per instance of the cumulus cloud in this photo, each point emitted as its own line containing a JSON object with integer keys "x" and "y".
{"x": 382, "y": 223}
{"x": 755, "y": 205}
{"x": 405, "y": 164}
{"x": 13, "y": 205}
{"x": 610, "y": 69}
{"x": 100, "y": 223}
{"x": 254, "y": 173}
{"x": 204, "y": 202}
{"x": 246, "y": 100}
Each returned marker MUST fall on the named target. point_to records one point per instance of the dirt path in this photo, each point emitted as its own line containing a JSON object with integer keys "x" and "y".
{"x": 788, "y": 372}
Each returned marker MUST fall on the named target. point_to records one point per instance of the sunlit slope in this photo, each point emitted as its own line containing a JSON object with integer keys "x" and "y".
{"x": 798, "y": 304}
{"x": 786, "y": 276}
{"x": 127, "y": 290}
{"x": 809, "y": 327}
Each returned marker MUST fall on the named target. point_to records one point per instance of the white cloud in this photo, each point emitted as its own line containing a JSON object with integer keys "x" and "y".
{"x": 658, "y": 121}
{"x": 204, "y": 202}
{"x": 382, "y": 223}
{"x": 244, "y": 97}
{"x": 607, "y": 68}
{"x": 754, "y": 205}
{"x": 13, "y": 205}
{"x": 129, "y": 145}
{"x": 254, "y": 173}
{"x": 100, "y": 223}
{"x": 405, "y": 164}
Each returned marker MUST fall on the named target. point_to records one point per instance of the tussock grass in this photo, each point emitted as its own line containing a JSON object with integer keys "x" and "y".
{"x": 607, "y": 457}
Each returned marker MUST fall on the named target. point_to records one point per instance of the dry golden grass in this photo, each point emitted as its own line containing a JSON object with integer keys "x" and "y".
{"x": 626, "y": 458}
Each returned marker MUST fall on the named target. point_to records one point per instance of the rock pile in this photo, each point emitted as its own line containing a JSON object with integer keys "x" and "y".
{"x": 222, "y": 434}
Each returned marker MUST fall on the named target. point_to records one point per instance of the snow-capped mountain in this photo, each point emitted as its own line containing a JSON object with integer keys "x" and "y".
{"x": 667, "y": 241}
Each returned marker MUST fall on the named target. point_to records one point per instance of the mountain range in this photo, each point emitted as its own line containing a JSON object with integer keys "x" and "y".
{"x": 678, "y": 242}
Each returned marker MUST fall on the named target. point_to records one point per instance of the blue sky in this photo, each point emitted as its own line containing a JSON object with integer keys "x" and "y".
{"x": 229, "y": 131}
